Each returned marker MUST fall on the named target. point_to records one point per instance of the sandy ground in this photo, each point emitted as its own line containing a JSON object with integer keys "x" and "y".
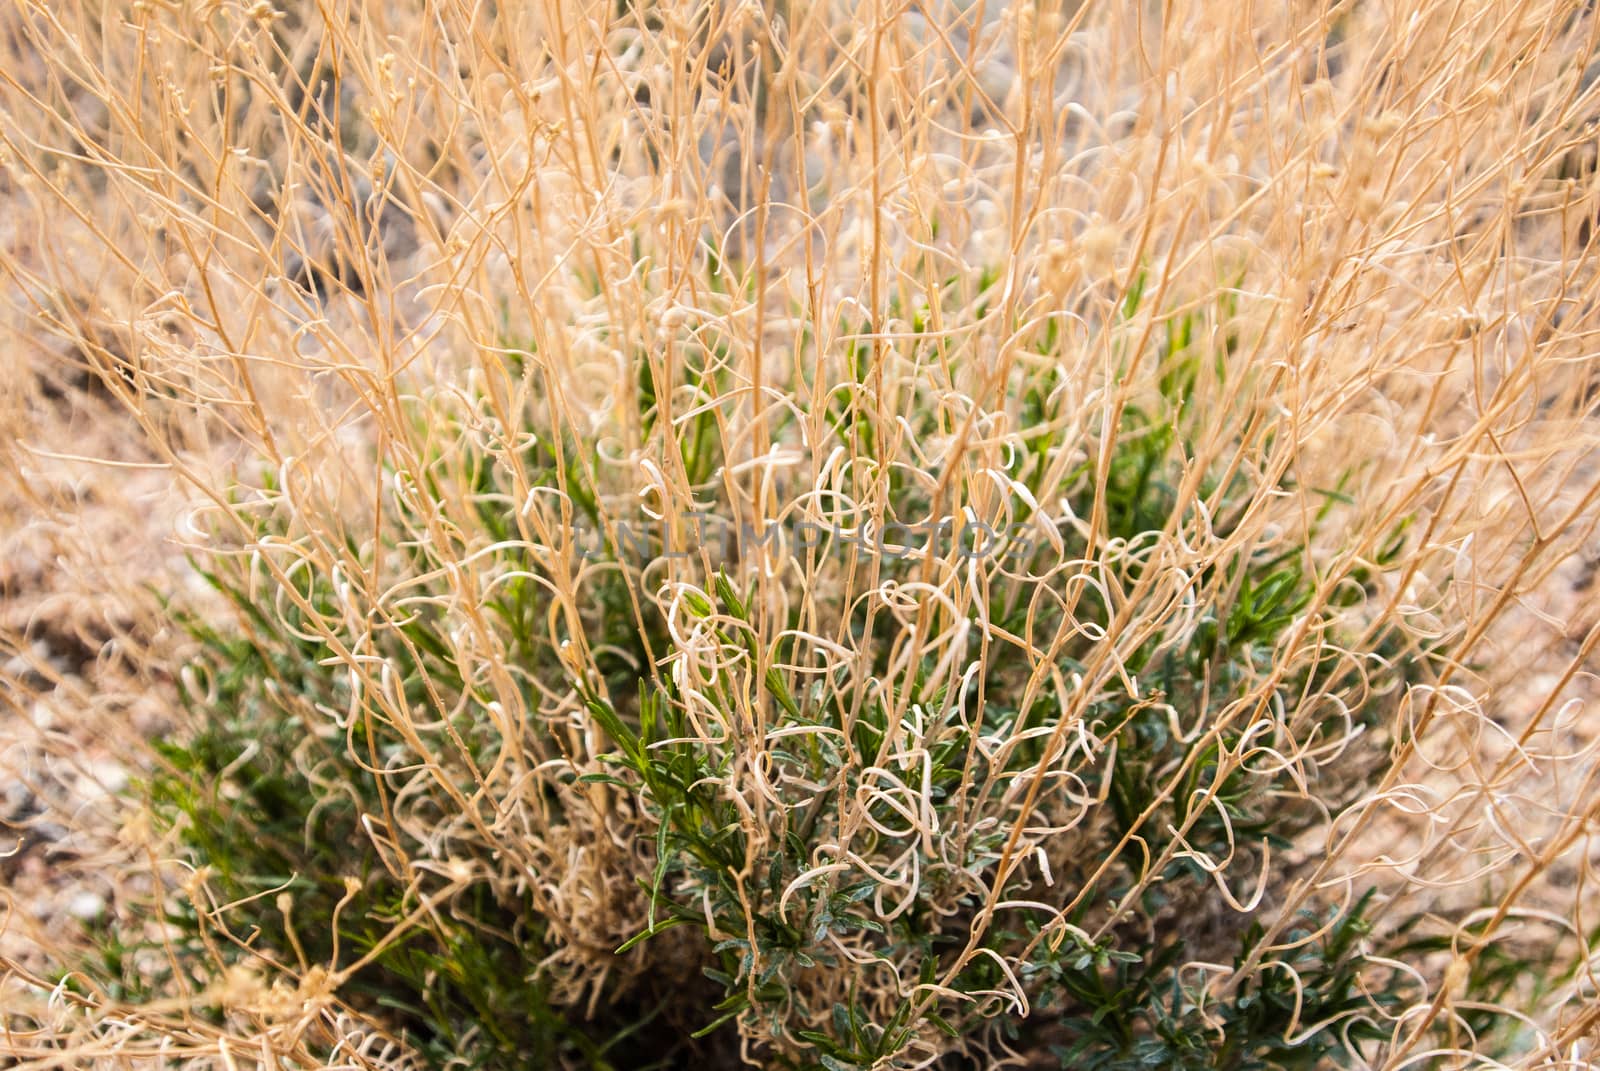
{"x": 83, "y": 544}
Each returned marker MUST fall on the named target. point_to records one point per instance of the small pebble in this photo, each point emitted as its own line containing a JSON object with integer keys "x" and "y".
{"x": 86, "y": 905}
{"x": 109, "y": 775}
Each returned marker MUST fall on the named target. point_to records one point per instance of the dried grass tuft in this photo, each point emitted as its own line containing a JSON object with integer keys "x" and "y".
{"x": 813, "y": 537}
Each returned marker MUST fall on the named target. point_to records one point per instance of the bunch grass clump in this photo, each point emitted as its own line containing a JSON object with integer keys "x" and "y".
{"x": 1147, "y": 799}
{"x": 833, "y": 538}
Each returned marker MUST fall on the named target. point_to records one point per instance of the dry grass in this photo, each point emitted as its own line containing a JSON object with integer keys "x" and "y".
{"x": 390, "y": 316}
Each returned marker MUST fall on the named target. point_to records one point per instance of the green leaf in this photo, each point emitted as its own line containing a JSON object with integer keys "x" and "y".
{"x": 620, "y": 734}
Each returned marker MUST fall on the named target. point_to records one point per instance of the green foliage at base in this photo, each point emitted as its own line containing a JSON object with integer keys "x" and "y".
{"x": 1161, "y": 786}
